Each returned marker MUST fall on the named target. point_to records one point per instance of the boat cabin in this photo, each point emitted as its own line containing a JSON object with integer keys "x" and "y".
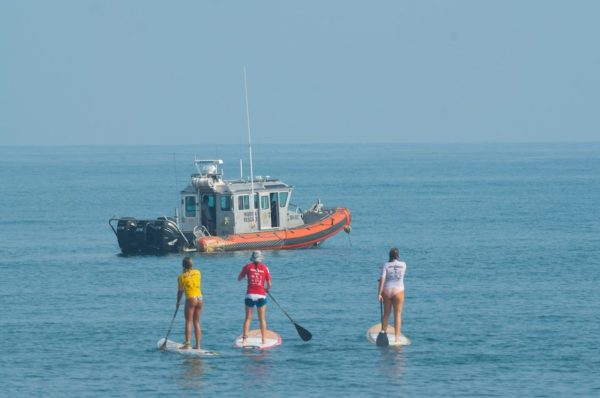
{"x": 213, "y": 206}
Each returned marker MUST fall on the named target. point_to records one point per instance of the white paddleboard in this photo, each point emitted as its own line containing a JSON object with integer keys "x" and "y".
{"x": 374, "y": 330}
{"x": 173, "y": 346}
{"x": 254, "y": 340}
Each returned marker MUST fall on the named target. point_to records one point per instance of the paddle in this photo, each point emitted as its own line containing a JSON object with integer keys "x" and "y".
{"x": 162, "y": 347}
{"x": 304, "y": 334}
{"x": 382, "y": 339}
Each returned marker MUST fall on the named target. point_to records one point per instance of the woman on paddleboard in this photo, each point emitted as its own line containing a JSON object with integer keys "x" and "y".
{"x": 258, "y": 276}
{"x": 188, "y": 282}
{"x": 391, "y": 290}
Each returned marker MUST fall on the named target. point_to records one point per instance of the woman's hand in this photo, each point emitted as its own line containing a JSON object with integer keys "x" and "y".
{"x": 379, "y": 297}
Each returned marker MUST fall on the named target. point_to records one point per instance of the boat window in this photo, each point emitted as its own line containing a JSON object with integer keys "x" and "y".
{"x": 243, "y": 202}
{"x": 226, "y": 203}
{"x": 264, "y": 202}
{"x": 283, "y": 197}
{"x": 256, "y": 201}
{"x": 208, "y": 201}
{"x": 190, "y": 206}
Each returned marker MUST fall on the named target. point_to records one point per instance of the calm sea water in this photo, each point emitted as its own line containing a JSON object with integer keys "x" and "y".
{"x": 502, "y": 244}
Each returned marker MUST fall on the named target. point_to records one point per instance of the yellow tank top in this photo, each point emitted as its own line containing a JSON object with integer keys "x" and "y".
{"x": 189, "y": 282}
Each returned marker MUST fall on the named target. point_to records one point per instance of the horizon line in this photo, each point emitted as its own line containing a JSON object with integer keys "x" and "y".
{"x": 315, "y": 143}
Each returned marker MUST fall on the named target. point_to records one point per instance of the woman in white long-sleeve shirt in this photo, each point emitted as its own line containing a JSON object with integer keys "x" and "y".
{"x": 391, "y": 290}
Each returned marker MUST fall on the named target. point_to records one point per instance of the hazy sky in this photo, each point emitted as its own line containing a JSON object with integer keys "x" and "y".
{"x": 170, "y": 72}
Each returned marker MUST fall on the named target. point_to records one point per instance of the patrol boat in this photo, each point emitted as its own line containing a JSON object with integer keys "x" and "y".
{"x": 226, "y": 215}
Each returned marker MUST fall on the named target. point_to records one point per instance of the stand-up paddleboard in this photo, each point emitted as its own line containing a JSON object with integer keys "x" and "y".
{"x": 254, "y": 340}
{"x": 374, "y": 330}
{"x": 173, "y": 346}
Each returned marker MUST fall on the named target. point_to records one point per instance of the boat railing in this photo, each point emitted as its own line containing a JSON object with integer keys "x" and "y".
{"x": 207, "y": 167}
{"x": 200, "y": 231}
{"x": 111, "y": 226}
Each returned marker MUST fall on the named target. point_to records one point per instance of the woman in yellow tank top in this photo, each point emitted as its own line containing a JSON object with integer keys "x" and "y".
{"x": 188, "y": 282}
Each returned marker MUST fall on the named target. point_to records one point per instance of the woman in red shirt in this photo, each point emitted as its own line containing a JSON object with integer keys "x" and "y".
{"x": 256, "y": 294}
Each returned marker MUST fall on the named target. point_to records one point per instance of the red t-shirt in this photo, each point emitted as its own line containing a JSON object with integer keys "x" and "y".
{"x": 257, "y": 275}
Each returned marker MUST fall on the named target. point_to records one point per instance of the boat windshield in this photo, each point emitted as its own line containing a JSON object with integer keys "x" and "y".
{"x": 283, "y": 197}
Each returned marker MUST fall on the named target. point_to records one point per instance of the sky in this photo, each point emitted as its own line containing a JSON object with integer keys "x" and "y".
{"x": 146, "y": 72}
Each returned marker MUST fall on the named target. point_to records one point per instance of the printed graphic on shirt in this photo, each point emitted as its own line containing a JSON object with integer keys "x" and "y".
{"x": 394, "y": 273}
{"x": 257, "y": 275}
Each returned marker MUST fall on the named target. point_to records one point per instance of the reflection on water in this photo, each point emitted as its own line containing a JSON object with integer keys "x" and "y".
{"x": 392, "y": 362}
{"x": 256, "y": 367}
{"x": 192, "y": 371}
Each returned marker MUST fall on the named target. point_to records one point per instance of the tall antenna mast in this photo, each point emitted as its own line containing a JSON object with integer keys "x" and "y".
{"x": 249, "y": 144}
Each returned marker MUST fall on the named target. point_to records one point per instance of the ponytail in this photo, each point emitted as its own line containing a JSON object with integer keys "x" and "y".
{"x": 394, "y": 254}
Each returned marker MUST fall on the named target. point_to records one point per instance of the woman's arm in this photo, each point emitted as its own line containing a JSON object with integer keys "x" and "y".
{"x": 380, "y": 289}
{"x": 242, "y": 274}
{"x": 179, "y": 294}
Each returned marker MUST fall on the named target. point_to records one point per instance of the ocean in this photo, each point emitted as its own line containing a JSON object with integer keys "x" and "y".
{"x": 502, "y": 243}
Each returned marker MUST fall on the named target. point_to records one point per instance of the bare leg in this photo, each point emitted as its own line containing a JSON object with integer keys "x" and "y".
{"x": 189, "y": 315}
{"x": 197, "y": 328}
{"x": 387, "y": 308}
{"x": 398, "y": 301}
{"x": 263, "y": 321}
{"x": 246, "y": 327}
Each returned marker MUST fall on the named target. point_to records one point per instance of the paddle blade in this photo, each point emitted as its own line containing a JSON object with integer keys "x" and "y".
{"x": 382, "y": 339}
{"x": 304, "y": 334}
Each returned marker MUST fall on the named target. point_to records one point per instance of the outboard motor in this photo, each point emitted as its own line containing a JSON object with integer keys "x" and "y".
{"x": 126, "y": 228}
{"x": 148, "y": 236}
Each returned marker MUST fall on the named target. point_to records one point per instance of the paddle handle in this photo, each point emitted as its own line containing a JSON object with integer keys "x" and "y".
{"x": 170, "y": 327}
